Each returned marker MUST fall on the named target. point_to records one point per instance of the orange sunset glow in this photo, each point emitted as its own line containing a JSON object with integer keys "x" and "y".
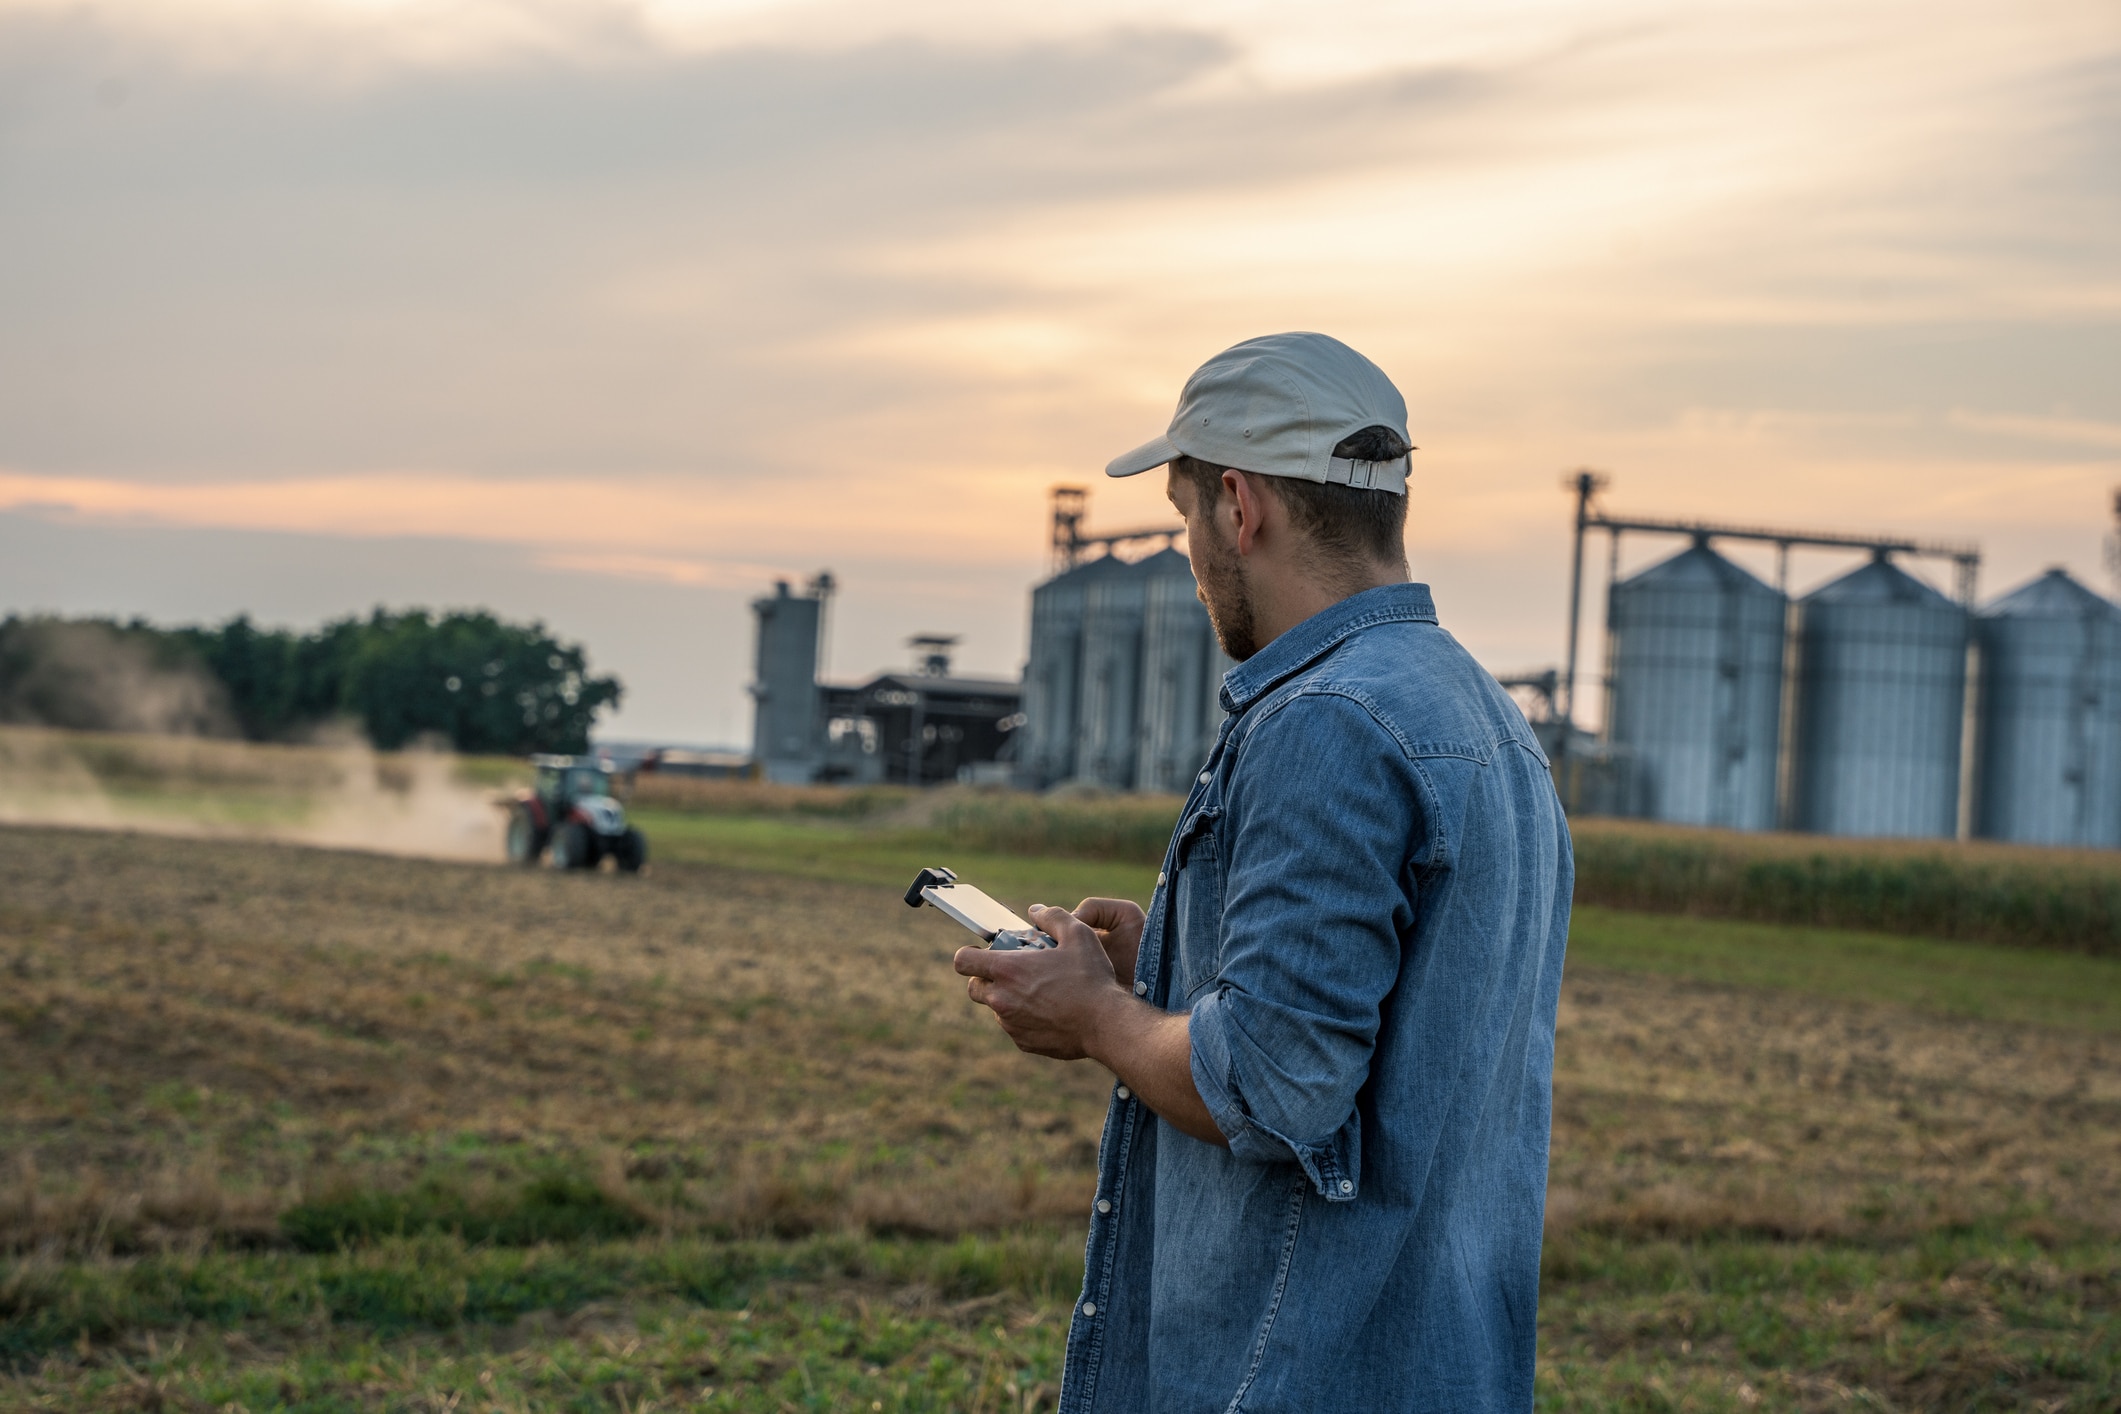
{"x": 611, "y": 312}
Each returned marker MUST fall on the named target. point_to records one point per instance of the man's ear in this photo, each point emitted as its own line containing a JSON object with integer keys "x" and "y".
{"x": 1247, "y": 503}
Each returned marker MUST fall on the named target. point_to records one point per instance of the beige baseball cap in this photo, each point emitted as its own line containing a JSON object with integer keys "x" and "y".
{"x": 1278, "y": 405}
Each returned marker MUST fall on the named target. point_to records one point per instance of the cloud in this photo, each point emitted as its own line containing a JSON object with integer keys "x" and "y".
{"x": 670, "y": 531}
{"x": 668, "y": 292}
{"x": 662, "y": 569}
{"x": 2075, "y": 431}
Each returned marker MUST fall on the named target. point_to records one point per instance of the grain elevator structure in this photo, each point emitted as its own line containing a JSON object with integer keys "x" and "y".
{"x": 1696, "y": 652}
{"x": 2050, "y": 699}
{"x": 1881, "y": 707}
{"x": 1875, "y": 705}
{"x": 1122, "y": 689}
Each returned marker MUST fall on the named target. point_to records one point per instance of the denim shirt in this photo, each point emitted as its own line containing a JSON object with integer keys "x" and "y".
{"x": 1363, "y": 908}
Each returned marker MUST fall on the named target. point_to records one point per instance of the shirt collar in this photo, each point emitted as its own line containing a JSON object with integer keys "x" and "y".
{"x": 1323, "y": 631}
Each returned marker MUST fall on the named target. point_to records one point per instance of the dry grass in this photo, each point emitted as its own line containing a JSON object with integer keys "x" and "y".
{"x": 251, "y": 1022}
{"x": 1683, "y": 1109}
{"x": 209, "y": 1030}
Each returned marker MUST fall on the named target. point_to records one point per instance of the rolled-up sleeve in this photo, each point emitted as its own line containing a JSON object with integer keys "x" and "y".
{"x": 1322, "y": 819}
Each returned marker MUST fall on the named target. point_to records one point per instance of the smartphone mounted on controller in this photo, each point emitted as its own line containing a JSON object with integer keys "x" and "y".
{"x": 999, "y": 928}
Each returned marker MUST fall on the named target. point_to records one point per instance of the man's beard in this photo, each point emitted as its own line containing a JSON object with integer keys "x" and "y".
{"x": 1222, "y": 582}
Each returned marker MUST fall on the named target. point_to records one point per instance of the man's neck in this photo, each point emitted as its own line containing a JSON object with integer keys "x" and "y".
{"x": 1279, "y": 607}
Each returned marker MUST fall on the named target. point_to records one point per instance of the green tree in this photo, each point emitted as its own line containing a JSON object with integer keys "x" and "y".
{"x": 470, "y": 679}
{"x": 485, "y": 685}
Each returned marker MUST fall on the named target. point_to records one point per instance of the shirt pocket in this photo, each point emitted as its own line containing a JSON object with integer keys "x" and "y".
{"x": 1197, "y": 901}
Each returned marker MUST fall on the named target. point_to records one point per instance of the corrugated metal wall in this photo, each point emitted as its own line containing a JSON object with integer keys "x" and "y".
{"x": 1122, "y": 684}
{"x": 1053, "y": 676}
{"x": 787, "y": 729}
{"x": 2051, "y": 716}
{"x": 1108, "y": 739}
{"x": 1696, "y": 674}
{"x": 1881, "y": 696}
{"x": 1177, "y": 648}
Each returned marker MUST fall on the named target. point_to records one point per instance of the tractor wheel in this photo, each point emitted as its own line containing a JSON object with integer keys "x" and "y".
{"x": 574, "y": 847}
{"x": 631, "y": 851}
{"x": 525, "y": 840}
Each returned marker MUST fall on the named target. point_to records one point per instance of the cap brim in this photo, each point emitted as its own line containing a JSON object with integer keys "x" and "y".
{"x": 1146, "y": 457}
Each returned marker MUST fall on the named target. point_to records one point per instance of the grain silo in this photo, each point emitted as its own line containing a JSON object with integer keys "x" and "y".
{"x": 2051, "y": 716}
{"x": 1108, "y": 721}
{"x": 1053, "y": 676}
{"x": 788, "y": 721}
{"x": 1178, "y": 657}
{"x": 1695, "y": 647}
{"x": 1880, "y": 697}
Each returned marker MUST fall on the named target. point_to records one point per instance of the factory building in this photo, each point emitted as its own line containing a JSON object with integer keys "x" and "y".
{"x": 923, "y": 727}
{"x": 1695, "y": 690}
{"x": 2050, "y": 708}
{"x": 1122, "y": 689}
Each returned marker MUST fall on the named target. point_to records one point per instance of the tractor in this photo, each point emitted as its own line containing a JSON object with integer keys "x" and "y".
{"x": 572, "y": 810}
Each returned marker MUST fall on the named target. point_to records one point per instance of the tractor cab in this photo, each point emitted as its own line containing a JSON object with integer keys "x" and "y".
{"x": 563, "y": 779}
{"x": 574, "y": 809}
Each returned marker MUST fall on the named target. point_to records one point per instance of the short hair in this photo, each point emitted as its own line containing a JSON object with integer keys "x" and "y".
{"x": 1340, "y": 520}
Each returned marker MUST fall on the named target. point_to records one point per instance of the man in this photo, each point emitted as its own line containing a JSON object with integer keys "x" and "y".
{"x": 1324, "y": 1166}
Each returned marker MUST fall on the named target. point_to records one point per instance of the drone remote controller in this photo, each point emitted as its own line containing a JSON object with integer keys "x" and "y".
{"x": 1002, "y": 930}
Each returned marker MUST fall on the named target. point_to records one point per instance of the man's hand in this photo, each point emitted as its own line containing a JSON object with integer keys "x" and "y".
{"x": 1072, "y": 1002}
{"x": 1048, "y": 1001}
{"x": 1118, "y": 923}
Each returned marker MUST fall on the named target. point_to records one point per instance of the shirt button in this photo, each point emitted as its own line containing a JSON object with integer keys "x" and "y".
{"x": 1089, "y": 1308}
{"x": 1125, "y": 1093}
{"x": 1104, "y": 1205}
{"x": 1347, "y": 1185}
{"x": 1159, "y": 878}
{"x": 1141, "y": 989}
{"x": 1206, "y": 776}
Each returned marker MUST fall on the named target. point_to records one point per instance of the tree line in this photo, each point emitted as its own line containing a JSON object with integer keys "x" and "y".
{"x": 472, "y": 680}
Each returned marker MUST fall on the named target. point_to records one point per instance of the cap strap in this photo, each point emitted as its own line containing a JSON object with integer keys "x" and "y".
{"x": 1371, "y": 476}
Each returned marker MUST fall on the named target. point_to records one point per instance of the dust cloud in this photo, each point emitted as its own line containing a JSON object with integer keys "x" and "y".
{"x": 91, "y": 676}
{"x": 339, "y": 793}
{"x": 412, "y": 802}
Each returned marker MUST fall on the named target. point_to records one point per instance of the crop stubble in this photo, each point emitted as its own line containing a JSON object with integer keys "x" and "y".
{"x": 207, "y": 1029}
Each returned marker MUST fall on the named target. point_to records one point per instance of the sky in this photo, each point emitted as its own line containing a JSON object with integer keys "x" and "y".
{"x": 610, "y": 312}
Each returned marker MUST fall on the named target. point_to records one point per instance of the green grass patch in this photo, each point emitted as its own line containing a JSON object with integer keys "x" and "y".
{"x": 552, "y": 1207}
{"x": 1130, "y": 829}
{"x": 1960, "y": 1320}
{"x": 1942, "y": 978}
{"x": 2054, "y": 900}
{"x": 439, "y": 1281}
{"x": 849, "y": 853}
